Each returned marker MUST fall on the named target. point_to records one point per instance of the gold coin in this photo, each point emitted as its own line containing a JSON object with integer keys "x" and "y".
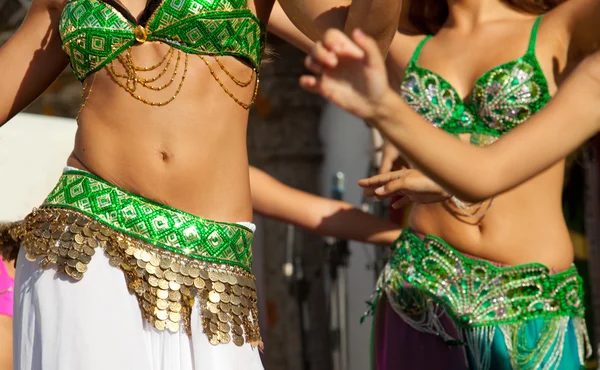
{"x": 207, "y": 314}
{"x": 159, "y": 273}
{"x": 203, "y": 274}
{"x": 93, "y": 243}
{"x": 214, "y": 297}
{"x": 237, "y": 330}
{"x": 219, "y": 287}
{"x": 213, "y": 327}
{"x": 53, "y": 258}
{"x": 145, "y": 256}
{"x": 225, "y": 307}
{"x": 173, "y": 327}
{"x": 85, "y": 258}
{"x": 154, "y": 260}
{"x": 71, "y": 219}
{"x": 150, "y": 268}
{"x": 89, "y": 251}
{"x": 161, "y": 314}
{"x": 76, "y": 275}
{"x": 137, "y": 253}
{"x": 245, "y": 311}
{"x": 237, "y": 320}
{"x": 194, "y": 272}
{"x": 129, "y": 251}
{"x": 165, "y": 263}
{"x": 163, "y": 294}
{"x": 175, "y": 266}
{"x": 160, "y": 325}
{"x": 213, "y": 308}
{"x": 175, "y": 307}
{"x": 214, "y": 340}
{"x": 174, "y": 285}
{"x": 67, "y": 236}
{"x": 237, "y": 310}
{"x": 238, "y": 341}
{"x": 236, "y": 290}
{"x": 188, "y": 281}
{"x": 175, "y": 316}
{"x": 185, "y": 270}
{"x": 56, "y": 235}
{"x": 161, "y": 304}
{"x": 174, "y": 295}
{"x": 163, "y": 284}
{"x": 46, "y": 234}
{"x": 153, "y": 281}
{"x": 87, "y": 232}
{"x": 94, "y": 226}
{"x": 179, "y": 279}
{"x": 235, "y": 300}
{"x": 223, "y": 278}
{"x": 186, "y": 291}
{"x": 224, "y": 327}
{"x": 225, "y": 298}
{"x": 72, "y": 263}
{"x": 141, "y": 263}
{"x": 199, "y": 283}
{"x": 232, "y": 279}
{"x": 225, "y": 338}
{"x": 81, "y": 267}
{"x": 222, "y": 316}
{"x": 213, "y": 276}
{"x": 170, "y": 275}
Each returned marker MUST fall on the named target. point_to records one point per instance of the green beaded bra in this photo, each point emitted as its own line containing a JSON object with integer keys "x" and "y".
{"x": 501, "y": 99}
{"x": 96, "y": 32}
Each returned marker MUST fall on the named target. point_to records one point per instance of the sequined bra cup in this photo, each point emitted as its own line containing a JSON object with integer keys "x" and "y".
{"x": 501, "y": 99}
{"x": 95, "y": 33}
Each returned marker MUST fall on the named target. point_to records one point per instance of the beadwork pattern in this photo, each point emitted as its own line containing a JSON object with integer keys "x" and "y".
{"x": 477, "y": 293}
{"x": 154, "y": 223}
{"x": 502, "y": 98}
{"x": 426, "y": 279}
{"x": 165, "y": 281}
{"x": 94, "y": 34}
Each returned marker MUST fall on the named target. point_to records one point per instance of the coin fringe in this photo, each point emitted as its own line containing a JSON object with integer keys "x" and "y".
{"x": 165, "y": 284}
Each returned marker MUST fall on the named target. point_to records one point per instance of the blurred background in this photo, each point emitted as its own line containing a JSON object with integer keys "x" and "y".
{"x": 304, "y": 142}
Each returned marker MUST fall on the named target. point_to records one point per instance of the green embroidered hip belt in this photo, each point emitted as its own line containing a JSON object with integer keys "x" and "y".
{"x": 475, "y": 292}
{"x": 170, "y": 258}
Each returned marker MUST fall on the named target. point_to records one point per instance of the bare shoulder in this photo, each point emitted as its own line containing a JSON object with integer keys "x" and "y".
{"x": 401, "y": 52}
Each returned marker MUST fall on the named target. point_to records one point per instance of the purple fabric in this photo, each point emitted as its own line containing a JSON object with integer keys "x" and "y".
{"x": 400, "y": 347}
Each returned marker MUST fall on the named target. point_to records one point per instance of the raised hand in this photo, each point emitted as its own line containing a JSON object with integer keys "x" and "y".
{"x": 411, "y": 185}
{"x": 350, "y": 73}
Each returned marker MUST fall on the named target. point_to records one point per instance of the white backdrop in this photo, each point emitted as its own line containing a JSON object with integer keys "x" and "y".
{"x": 33, "y": 151}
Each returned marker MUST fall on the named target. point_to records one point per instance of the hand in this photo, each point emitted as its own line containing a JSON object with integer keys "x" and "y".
{"x": 411, "y": 185}
{"x": 391, "y": 159}
{"x": 353, "y": 73}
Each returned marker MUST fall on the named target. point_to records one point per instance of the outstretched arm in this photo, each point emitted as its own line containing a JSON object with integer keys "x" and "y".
{"x": 282, "y": 27}
{"x": 31, "y": 59}
{"x": 355, "y": 79}
{"x": 320, "y": 215}
{"x": 379, "y": 18}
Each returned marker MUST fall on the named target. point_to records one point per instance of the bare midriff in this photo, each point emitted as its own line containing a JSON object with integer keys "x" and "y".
{"x": 523, "y": 225}
{"x": 189, "y": 154}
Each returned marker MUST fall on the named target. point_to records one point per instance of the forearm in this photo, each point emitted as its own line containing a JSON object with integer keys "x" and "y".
{"x": 475, "y": 173}
{"x": 377, "y": 18}
{"x": 282, "y": 27}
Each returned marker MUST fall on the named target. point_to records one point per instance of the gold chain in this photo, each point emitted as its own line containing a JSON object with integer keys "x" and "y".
{"x": 86, "y": 91}
{"x": 239, "y": 102}
{"x": 132, "y": 79}
{"x": 237, "y": 82}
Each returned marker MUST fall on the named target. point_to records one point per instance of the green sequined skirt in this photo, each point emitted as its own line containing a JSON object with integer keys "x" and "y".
{"x": 505, "y": 318}
{"x": 171, "y": 259}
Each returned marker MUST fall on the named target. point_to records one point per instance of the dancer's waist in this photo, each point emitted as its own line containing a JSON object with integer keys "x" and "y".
{"x": 478, "y": 292}
{"x": 154, "y": 223}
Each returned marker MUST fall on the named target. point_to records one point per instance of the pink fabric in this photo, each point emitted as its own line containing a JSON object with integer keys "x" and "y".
{"x": 6, "y": 291}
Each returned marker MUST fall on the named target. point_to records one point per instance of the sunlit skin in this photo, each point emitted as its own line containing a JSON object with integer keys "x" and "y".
{"x": 525, "y": 223}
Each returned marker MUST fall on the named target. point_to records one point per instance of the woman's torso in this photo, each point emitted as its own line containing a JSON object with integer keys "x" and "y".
{"x": 189, "y": 154}
{"x": 525, "y": 224}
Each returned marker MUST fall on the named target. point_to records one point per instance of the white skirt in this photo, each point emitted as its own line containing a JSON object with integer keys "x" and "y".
{"x": 96, "y": 324}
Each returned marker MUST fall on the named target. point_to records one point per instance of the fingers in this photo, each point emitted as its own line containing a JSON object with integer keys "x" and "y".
{"x": 381, "y": 179}
{"x": 337, "y": 42}
{"x": 320, "y": 58}
{"x": 373, "y": 57}
{"x": 401, "y": 203}
{"x": 311, "y": 83}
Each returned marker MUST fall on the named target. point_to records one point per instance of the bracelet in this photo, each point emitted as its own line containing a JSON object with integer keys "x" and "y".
{"x": 471, "y": 210}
